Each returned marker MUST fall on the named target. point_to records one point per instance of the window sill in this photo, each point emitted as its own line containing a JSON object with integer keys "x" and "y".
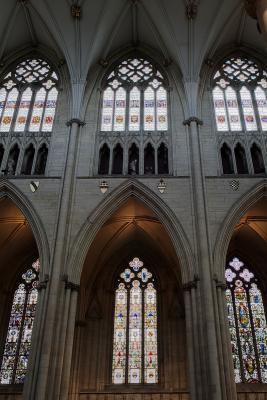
{"x": 11, "y": 389}
{"x": 251, "y": 387}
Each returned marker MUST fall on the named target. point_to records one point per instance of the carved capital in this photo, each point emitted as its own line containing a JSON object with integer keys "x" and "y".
{"x": 75, "y": 121}
{"x": 70, "y": 285}
{"x": 75, "y": 11}
{"x": 43, "y": 284}
{"x": 220, "y": 284}
{"x": 193, "y": 119}
{"x": 187, "y": 287}
{"x": 191, "y": 9}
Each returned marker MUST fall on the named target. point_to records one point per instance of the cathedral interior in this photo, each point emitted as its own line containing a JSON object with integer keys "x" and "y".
{"x": 133, "y": 200}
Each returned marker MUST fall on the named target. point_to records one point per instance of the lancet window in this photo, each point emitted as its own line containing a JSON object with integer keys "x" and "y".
{"x": 134, "y": 112}
{"x": 247, "y": 323}
{"x": 17, "y": 345}
{"x": 28, "y": 100}
{"x": 135, "y": 344}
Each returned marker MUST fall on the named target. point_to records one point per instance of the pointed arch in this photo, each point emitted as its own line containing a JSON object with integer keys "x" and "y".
{"x": 131, "y": 188}
{"x": 232, "y": 219}
{"x": 7, "y": 189}
{"x": 27, "y": 163}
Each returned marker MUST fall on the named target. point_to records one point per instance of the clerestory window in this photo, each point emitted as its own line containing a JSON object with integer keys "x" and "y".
{"x": 239, "y": 96}
{"x": 135, "y": 344}
{"x": 28, "y": 101}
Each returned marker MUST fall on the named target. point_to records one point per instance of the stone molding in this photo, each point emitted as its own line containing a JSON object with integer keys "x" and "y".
{"x": 43, "y": 284}
{"x": 75, "y": 121}
{"x": 188, "y": 121}
{"x": 70, "y": 285}
{"x": 187, "y": 287}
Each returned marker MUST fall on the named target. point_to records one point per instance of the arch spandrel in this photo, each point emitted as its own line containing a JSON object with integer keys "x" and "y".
{"x": 226, "y": 230}
{"x": 131, "y": 189}
{"x": 7, "y": 189}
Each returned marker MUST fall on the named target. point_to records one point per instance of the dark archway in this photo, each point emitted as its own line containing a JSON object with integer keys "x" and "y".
{"x": 26, "y": 168}
{"x": 149, "y": 160}
{"x": 117, "y": 164}
{"x": 163, "y": 159}
{"x": 257, "y": 159}
{"x": 13, "y": 160}
{"x": 227, "y": 159}
{"x": 104, "y": 156}
{"x": 241, "y": 159}
{"x": 133, "y": 165}
{"x": 41, "y": 160}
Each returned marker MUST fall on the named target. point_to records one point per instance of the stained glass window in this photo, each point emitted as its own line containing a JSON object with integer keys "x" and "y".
{"x": 18, "y": 340}
{"x": 247, "y": 323}
{"x": 28, "y": 97}
{"x": 239, "y": 95}
{"x": 136, "y": 85}
{"x": 135, "y": 345}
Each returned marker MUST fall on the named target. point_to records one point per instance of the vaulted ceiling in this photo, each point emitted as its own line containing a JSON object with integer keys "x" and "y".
{"x": 105, "y": 26}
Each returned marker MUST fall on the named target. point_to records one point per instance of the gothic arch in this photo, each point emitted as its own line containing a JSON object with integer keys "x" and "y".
{"x": 101, "y": 214}
{"x": 7, "y": 189}
{"x": 227, "y": 228}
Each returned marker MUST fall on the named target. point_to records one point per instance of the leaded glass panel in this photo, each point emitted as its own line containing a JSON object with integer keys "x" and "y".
{"x": 243, "y": 83}
{"x": 247, "y": 323}
{"x": 135, "y": 346}
{"x": 18, "y": 340}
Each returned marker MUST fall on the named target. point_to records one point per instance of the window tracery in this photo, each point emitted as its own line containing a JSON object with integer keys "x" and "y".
{"x": 28, "y": 100}
{"x": 15, "y": 356}
{"x": 240, "y": 104}
{"x": 134, "y": 109}
{"x": 247, "y": 323}
{"x": 135, "y": 354}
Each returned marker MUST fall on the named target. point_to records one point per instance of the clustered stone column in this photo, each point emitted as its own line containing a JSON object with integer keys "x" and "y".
{"x": 258, "y": 9}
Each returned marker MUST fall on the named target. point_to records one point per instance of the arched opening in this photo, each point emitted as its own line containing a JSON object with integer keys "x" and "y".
{"x": 227, "y": 159}
{"x": 257, "y": 159}
{"x": 149, "y": 160}
{"x": 13, "y": 160}
{"x": 133, "y": 166}
{"x": 26, "y": 168}
{"x": 41, "y": 160}
{"x": 241, "y": 160}
{"x": 163, "y": 162}
{"x": 246, "y": 280}
{"x": 117, "y": 164}
{"x": 104, "y": 155}
{"x": 18, "y": 293}
{"x": 134, "y": 230}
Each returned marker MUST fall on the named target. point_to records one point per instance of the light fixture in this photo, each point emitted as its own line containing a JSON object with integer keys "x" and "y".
{"x": 34, "y": 185}
{"x": 161, "y": 186}
{"x": 103, "y": 186}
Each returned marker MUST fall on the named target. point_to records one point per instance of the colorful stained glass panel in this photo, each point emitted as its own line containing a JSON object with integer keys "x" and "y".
{"x": 220, "y": 109}
{"x": 50, "y": 110}
{"x": 162, "y": 117}
{"x": 37, "y": 112}
{"x": 135, "y": 334}
{"x": 9, "y": 110}
{"x": 134, "y": 110}
{"x": 24, "y": 108}
{"x": 262, "y": 107}
{"x": 120, "y": 110}
{"x": 248, "y": 110}
{"x": 233, "y": 110}
{"x": 149, "y": 110}
{"x": 150, "y": 335}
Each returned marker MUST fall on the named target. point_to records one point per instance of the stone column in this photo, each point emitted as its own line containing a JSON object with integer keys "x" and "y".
{"x": 227, "y": 369}
{"x": 192, "y": 339}
{"x": 210, "y": 380}
{"x": 258, "y": 9}
{"x": 52, "y": 365}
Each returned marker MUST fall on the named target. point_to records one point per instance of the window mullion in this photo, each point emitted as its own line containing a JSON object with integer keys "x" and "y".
{"x": 143, "y": 338}
{"x": 227, "y": 112}
{"x": 43, "y": 112}
{"x": 127, "y": 337}
{"x": 241, "y": 110}
{"x": 31, "y": 109}
{"x": 256, "y": 110}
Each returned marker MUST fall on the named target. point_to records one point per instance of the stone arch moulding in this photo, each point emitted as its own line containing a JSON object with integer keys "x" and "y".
{"x": 7, "y": 189}
{"x": 227, "y": 228}
{"x": 131, "y": 188}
